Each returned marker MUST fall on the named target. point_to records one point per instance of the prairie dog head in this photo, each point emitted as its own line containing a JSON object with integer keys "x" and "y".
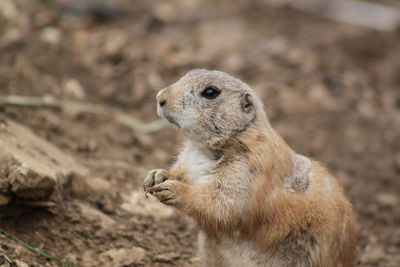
{"x": 210, "y": 107}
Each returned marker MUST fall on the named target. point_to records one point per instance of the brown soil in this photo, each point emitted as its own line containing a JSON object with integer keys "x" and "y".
{"x": 330, "y": 89}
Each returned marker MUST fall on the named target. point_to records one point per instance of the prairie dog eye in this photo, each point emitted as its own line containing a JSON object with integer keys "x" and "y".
{"x": 210, "y": 92}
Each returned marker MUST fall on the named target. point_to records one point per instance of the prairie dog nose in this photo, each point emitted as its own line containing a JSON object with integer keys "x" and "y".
{"x": 161, "y": 99}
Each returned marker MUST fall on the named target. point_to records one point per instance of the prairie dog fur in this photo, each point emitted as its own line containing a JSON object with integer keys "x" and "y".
{"x": 256, "y": 201}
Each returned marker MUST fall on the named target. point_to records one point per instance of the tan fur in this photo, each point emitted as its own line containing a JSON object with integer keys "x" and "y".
{"x": 256, "y": 201}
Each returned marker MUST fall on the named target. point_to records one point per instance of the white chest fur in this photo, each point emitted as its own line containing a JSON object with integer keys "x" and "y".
{"x": 200, "y": 165}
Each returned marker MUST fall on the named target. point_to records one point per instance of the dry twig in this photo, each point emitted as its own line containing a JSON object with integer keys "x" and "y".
{"x": 366, "y": 14}
{"x": 50, "y": 102}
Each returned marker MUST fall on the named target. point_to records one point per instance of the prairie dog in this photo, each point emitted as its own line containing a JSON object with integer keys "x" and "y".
{"x": 256, "y": 201}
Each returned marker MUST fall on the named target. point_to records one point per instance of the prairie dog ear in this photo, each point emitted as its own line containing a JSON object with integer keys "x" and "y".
{"x": 247, "y": 103}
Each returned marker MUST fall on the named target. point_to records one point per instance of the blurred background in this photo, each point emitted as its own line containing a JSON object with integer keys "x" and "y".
{"x": 83, "y": 75}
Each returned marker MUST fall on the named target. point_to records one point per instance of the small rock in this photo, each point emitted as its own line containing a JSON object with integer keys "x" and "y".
{"x": 8, "y": 9}
{"x": 115, "y": 44}
{"x": 119, "y": 257}
{"x": 51, "y": 35}
{"x": 20, "y": 263}
{"x": 12, "y": 35}
{"x": 164, "y": 12}
{"x": 155, "y": 80}
{"x": 277, "y": 45}
{"x": 83, "y": 186}
{"x": 322, "y": 99}
{"x": 96, "y": 216}
{"x": 166, "y": 257}
{"x": 373, "y": 254}
{"x": 387, "y": 199}
{"x": 74, "y": 88}
{"x": 137, "y": 203}
{"x": 30, "y": 167}
{"x": 195, "y": 260}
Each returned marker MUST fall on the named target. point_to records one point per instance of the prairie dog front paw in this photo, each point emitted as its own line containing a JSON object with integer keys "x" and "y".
{"x": 170, "y": 192}
{"x": 154, "y": 177}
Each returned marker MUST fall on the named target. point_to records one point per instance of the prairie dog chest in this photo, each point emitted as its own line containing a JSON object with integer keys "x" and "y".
{"x": 200, "y": 164}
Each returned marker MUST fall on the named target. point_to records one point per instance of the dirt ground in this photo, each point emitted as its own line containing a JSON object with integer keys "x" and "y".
{"x": 331, "y": 90}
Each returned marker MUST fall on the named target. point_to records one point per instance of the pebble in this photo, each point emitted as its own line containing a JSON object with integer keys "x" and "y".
{"x": 74, "y": 88}
{"x": 387, "y": 199}
{"x": 118, "y": 257}
{"x": 51, "y": 35}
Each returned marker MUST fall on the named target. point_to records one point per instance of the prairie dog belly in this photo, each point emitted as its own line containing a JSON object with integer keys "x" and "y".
{"x": 223, "y": 251}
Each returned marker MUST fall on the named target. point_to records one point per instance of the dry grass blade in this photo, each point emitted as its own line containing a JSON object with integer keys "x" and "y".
{"x": 362, "y": 13}
{"x": 43, "y": 204}
{"x": 35, "y": 250}
{"x": 7, "y": 258}
{"x": 50, "y": 102}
